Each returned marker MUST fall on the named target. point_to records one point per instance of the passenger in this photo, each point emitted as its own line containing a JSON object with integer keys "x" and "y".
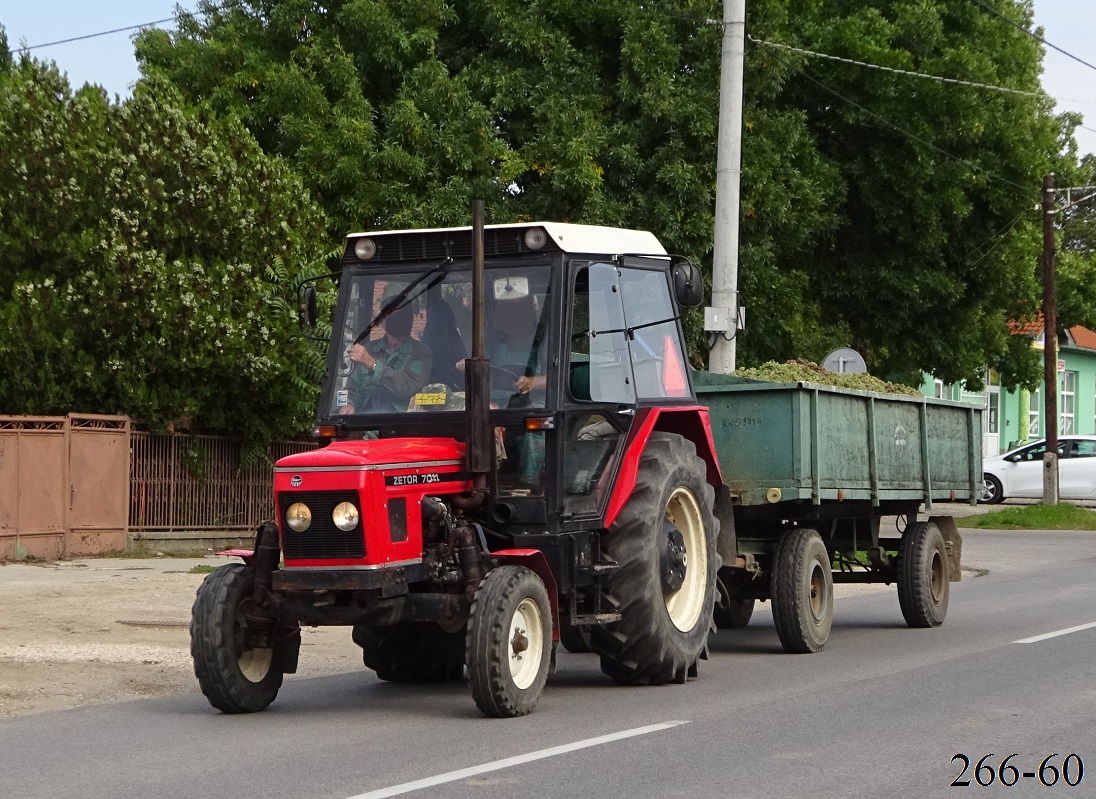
{"x": 443, "y": 338}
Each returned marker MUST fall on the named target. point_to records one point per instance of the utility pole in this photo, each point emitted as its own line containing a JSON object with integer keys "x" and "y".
{"x": 723, "y": 317}
{"x": 1050, "y": 348}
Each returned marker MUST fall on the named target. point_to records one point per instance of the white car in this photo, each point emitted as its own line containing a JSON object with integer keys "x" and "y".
{"x": 1019, "y": 472}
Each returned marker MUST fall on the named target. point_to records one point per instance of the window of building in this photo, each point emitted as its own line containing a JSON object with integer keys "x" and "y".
{"x": 1069, "y": 400}
{"x": 1033, "y": 414}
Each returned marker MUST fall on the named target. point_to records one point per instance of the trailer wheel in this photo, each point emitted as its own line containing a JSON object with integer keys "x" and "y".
{"x": 664, "y": 587}
{"x": 802, "y": 591}
{"x": 509, "y": 642}
{"x": 233, "y": 677}
{"x": 730, "y": 613}
{"x": 992, "y": 490}
{"x": 411, "y": 652}
{"x": 923, "y": 586}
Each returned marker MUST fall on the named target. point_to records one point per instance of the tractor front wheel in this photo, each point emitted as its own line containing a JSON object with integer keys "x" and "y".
{"x": 234, "y": 676}
{"x": 509, "y": 642}
{"x": 411, "y": 652}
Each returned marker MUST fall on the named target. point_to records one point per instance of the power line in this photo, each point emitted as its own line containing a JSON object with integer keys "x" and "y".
{"x": 1034, "y": 36}
{"x": 152, "y": 24}
{"x": 896, "y": 71}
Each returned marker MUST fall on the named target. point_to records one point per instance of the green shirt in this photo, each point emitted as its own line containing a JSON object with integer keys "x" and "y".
{"x": 397, "y": 376}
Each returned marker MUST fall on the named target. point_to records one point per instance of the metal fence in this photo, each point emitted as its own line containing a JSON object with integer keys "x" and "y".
{"x": 191, "y": 482}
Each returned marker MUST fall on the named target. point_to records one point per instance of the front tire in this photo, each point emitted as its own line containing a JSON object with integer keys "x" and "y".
{"x": 419, "y": 652}
{"x": 234, "y": 677}
{"x": 509, "y": 642}
{"x": 802, "y": 591}
{"x": 992, "y": 490}
{"x": 923, "y": 580}
{"x": 664, "y": 587}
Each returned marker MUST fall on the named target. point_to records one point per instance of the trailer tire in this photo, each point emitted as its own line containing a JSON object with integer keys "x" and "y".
{"x": 233, "y": 677}
{"x": 802, "y": 591}
{"x": 509, "y": 642}
{"x": 923, "y": 582}
{"x": 411, "y": 652}
{"x": 992, "y": 490}
{"x": 729, "y": 613}
{"x": 664, "y": 544}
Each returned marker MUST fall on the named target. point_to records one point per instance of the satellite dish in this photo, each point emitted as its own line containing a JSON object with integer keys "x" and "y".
{"x": 844, "y": 360}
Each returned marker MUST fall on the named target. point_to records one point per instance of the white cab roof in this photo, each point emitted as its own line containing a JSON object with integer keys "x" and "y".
{"x": 568, "y": 237}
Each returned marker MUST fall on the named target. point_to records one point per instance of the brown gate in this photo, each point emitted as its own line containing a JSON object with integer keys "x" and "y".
{"x": 63, "y": 487}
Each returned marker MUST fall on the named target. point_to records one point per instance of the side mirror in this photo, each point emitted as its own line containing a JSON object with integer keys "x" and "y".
{"x": 306, "y": 308}
{"x": 688, "y": 284}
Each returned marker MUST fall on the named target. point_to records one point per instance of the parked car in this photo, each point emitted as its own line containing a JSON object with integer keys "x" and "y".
{"x": 1019, "y": 472}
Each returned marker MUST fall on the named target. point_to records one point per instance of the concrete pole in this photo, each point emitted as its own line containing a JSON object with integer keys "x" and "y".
{"x": 728, "y": 171}
{"x": 1050, "y": 348}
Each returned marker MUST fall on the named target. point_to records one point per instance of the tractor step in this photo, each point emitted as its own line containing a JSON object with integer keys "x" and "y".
{"x": 605, "y": 567}
{"x": 597, "y": 618}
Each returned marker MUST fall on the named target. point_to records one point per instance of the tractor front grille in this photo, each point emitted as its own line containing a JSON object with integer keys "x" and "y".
{"x": 322, "y": 539}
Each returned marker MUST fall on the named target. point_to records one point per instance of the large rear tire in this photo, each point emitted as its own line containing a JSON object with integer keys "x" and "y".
{"x": 664, "y": 542}
{"x": 412, "y": 652}
{"x": 802, "y": 591}
{"x": 923, "y": 581}
{"x": 509, "y": 642}
{"x": 234, "y": 677}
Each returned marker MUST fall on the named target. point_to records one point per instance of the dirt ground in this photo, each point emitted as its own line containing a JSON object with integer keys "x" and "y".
{"x": 85, "y": 632}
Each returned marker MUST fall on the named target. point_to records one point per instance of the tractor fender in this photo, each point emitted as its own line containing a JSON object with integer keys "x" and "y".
{"x": 690, "y": 422}
{"x": 534, "y": 561}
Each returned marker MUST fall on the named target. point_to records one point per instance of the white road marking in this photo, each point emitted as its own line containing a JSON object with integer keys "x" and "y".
{"x": 1056, "y": 633}
{"x": 497, "y": 765}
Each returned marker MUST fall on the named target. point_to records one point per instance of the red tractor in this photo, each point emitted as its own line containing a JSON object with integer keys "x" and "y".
{"x": 514, "y": 457}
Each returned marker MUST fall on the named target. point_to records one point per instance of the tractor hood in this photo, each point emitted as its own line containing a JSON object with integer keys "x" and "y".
{"x": 376, "y": 453}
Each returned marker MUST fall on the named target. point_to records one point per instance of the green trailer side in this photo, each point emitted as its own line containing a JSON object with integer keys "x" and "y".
{"x": 810, "y": 443}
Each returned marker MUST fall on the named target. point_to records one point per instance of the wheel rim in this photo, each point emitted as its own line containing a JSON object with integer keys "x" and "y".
{"x": 937, "y": 577}
{"x": 818, "y": 593}
{"x": 684, "y": 605}
{"x": 989, "y": 490}
{"x": 254, "y": 664}
{"x": 525, "y": 643}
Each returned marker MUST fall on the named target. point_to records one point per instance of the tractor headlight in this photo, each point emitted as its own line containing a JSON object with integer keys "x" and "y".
{"x": 345, "y": 516}
{"x": 298, "y": 517}
{"x": 536, "y": 238}
{"x": 365, "y": 249}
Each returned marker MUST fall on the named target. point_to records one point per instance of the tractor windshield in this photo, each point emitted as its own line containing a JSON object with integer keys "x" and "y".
{"x": 399, "y": 354}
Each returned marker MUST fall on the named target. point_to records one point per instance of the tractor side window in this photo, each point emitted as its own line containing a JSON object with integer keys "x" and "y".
{"x": 589, "y": 444}
{"x": 600, "y": 368}
{"x": 658, "y": 359}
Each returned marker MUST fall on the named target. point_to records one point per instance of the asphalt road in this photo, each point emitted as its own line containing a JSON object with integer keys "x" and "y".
{"x": 882, "y": 711}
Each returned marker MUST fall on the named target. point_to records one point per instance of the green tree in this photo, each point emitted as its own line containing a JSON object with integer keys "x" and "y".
{"x": 147, "y": 251}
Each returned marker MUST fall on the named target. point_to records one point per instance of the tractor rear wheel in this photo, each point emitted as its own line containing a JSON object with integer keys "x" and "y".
{"x": 411, "y": 652}
{"x": 663, "y": 541}
{"x": 509, "y": 642}
{"x": 923, "y": 580}
{"x": 234, "y": 677}
{"x": 802, "y": 591}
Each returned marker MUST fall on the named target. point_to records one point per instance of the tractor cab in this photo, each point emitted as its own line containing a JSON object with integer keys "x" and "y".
{"x": 581, "y": 328}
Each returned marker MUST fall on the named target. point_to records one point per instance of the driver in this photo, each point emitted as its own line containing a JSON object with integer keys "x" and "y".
{"x": 390, "y": 370}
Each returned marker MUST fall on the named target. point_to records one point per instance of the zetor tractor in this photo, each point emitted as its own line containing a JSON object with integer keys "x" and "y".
{"x": 523, "y": 464}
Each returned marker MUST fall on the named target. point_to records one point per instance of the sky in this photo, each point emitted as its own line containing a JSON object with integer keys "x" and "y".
{"x": 108, "y": 60}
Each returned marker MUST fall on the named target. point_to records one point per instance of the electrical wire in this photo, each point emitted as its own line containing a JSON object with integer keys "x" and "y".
{"x": 154, "y": 23}
{"x": 1033, "y": 35}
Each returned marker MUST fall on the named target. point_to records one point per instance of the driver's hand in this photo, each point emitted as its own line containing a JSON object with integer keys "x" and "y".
{"x": 359, "y": 354}
{"x": 527, "y": 383}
